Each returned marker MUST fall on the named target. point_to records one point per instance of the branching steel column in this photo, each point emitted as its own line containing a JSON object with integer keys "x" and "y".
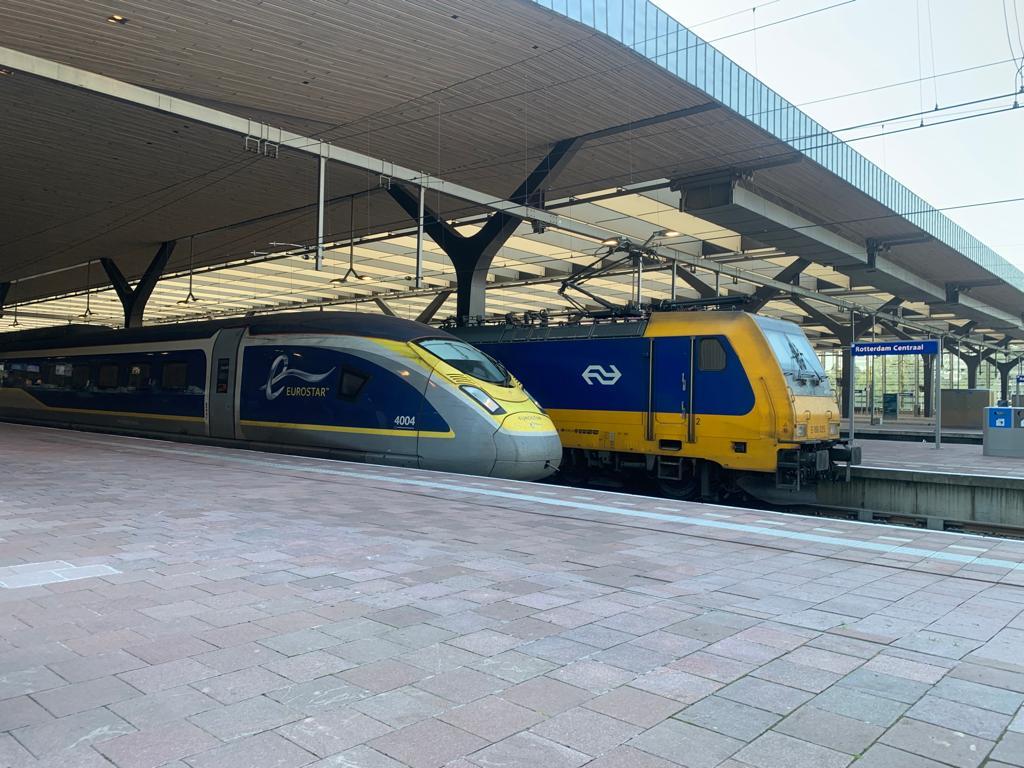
{"x": 472, "y": 256}
{"x": 704, "y": 290}
{"x": 1004, "y": 369}
{"x": 133, "y": 300}
{"x": 972, "y": 361}
{"x": 384, "y": 306}
{"x": 435, "y": 304}
{"x": 789, "y": 274}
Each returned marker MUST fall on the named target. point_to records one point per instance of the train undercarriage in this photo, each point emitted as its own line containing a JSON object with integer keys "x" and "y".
{"x": 696, "y": 479}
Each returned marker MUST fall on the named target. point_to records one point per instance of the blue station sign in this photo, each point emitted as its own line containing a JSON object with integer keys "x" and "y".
{"x": 1020, "y": 378}
{"x": 877, "y": 348}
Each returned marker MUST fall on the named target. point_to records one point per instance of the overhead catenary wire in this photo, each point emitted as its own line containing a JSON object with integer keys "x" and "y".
{"x": 931, "y": 48}
{"x": 920, "y": 68}
{"x": 1020, "y": 43}
{"x": 1018, "y": 60}
{"x": 540, "y": 260}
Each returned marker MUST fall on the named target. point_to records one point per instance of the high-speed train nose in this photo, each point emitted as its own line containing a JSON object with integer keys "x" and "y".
{"x": 526, "y": 447}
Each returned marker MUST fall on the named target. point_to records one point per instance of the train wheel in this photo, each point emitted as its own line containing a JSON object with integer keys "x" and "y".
{"x": 683, "y": 489}
{"x": 572, "y": 471}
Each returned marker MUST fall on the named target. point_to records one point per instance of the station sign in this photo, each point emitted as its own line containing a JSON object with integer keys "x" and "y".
{"x": 879, "y": 348}
{"x": 1020, "y": 378}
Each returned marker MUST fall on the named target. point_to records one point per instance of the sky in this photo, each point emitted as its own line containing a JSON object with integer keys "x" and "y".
{"x": 865, "y": 44}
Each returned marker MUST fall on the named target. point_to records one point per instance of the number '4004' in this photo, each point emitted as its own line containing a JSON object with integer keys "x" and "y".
{"x": 405, "y": 421}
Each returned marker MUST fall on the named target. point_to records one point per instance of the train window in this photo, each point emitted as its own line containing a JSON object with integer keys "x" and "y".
{"x": 174, "y": 377}
{"x": 138, "y": 377}
{"x": 223, "y": 370}
{"x": 80, "y": 376}
{"x": 21, "y": 374}
{"x": 60, "y": 375}
{"x": 351, "y": 384}
{"x": 107, "y": 378}
{"x": 468, "y": 360}
{"x": 711, "y": 355}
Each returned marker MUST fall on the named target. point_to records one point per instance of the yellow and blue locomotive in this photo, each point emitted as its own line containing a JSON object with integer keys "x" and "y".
{"x": 701, "y": 402}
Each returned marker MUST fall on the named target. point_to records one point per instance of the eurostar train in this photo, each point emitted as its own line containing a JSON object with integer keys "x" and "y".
{"x": 348, "y": 385}
{"x": 703, "y": 403}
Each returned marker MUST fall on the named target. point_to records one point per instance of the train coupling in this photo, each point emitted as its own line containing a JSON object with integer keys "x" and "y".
{"x": 844, "y": 453}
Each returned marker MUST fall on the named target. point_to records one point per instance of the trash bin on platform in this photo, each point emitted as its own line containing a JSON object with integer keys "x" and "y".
{"x": 1004, "y": 432}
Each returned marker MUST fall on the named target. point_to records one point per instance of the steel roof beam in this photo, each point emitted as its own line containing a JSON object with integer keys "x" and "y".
{"x": 215, "y": 118}
{"x": 797, "y": 236}
{"x": 789, "y": 274}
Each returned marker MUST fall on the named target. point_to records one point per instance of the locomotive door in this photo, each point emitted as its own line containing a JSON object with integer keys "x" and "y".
{"x": 221, "y": 386}
{"x": 671, "y": 391}
{"x": 713, "y": 391}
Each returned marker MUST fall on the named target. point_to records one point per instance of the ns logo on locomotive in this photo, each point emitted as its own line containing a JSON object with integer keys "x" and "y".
{"x": 343, "y": 384}
{"x": 705, "y": 404}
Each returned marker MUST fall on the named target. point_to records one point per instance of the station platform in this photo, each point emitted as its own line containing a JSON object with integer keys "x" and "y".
{"x": 955, "y": 487}
{"x": 176, "y": 605}
{"x": 950, "y": 458}
{"x": 910, "y": 429}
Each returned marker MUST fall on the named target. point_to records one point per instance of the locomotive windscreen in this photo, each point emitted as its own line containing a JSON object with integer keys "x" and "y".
{"x": 796, "y": 357}
{"x": 467, "y": 359}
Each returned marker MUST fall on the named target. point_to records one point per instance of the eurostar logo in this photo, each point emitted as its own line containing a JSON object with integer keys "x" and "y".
{"x": 598, "y": 374}
{"x": 279, "y": 371}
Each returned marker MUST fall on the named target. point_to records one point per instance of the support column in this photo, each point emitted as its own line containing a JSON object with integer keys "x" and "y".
{"x": 134, "y": 300}
{"x": 929, "y": 376}
{"x": 321, "y": 183}
{"x": 419, "y": 239}
{"x": 845, "y": 388}
{"x": 971, "y": 361}
{"x": 5, "y": 288}
{"x": 472, "y": 256}
{"x": 1004, "y": 369}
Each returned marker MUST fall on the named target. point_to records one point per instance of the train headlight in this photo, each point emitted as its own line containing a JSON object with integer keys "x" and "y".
{"x": 488, "y": 402}
{"x": 800, "y": 430}
{"x": 833, "y": 429}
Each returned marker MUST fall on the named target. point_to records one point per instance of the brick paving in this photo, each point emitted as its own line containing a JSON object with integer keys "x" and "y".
{"x": 251, "y": 610}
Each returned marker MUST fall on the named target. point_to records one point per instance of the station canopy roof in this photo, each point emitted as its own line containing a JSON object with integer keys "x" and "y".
{"x": 475, "y": 92}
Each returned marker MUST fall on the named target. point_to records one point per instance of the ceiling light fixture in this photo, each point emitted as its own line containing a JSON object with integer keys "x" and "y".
{"x": 4, "y": 72}
{"x": 117, "y": 19}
